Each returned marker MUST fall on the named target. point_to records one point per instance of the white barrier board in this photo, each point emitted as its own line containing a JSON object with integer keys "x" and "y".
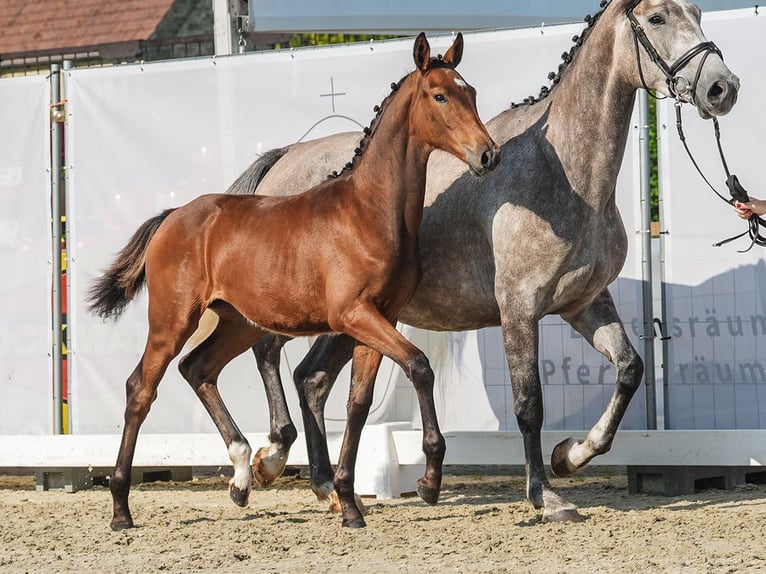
{"x": 26, "y": 396}
{"x": 142, "y": 138}
{"x": 716, "y": 296}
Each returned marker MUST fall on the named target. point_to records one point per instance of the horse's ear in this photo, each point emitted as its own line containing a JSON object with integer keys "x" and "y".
{"x": 421, "y": 52}
{"x": 455, "y": 52}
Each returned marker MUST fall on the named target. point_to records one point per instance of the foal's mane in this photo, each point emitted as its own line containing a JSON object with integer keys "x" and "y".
{"x": 436, "y": 62}
{"x": 567, "y": 57}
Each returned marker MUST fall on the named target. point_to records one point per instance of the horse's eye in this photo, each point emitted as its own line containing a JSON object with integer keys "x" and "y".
{"x": 440, "y": 98}
{"x": 656, "y": 20}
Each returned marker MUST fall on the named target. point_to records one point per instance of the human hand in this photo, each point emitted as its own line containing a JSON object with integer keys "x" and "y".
{"x": 746, "y": 210}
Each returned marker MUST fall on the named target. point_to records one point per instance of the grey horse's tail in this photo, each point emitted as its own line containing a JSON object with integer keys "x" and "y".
{"x": 247, "y": 183}
{"x": 121, "y": 282}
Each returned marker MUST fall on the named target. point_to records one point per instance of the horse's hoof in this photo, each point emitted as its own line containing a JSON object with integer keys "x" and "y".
{"x": 356, "y": 523}
{"x": 559, "y": 458}
{"x": 428, "y": 494}
{"x": 268, "y": 466}
{"x": 239, "y": 496}
{"x": 121, "y": 524}
{"x": 563, "y": 515}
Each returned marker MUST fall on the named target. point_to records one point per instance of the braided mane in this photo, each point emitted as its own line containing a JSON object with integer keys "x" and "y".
{"x": 567, "y": 57}
{"x": 379, "y": 109}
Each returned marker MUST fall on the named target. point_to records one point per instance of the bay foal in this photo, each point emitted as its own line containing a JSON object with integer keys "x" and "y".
{"x": 341, "y": 257}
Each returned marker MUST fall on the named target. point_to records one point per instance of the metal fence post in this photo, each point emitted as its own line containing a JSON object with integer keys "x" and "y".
{"x": 646, "y": 261}
{"x": 55, "y": 110}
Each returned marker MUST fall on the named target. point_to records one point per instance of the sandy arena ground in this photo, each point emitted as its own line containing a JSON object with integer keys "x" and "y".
{"x": 481, "y": 524}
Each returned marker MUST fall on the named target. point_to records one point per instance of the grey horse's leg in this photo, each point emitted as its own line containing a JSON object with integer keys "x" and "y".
{"x": 314, "y": 378}
{"x": 601, "y": 326}
{"x": 521, "y": 337}
{"x": 269, "y": 462}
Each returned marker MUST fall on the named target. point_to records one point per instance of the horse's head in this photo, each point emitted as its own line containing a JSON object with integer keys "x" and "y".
{"x": 444, "y": 108}
{"x": 674, "y": 57}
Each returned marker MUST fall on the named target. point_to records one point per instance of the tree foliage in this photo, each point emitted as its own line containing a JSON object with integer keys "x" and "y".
{"x": 300, "y": 40}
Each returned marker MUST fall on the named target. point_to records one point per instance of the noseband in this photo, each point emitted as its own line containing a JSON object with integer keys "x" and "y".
{"x": 680, "y": 86}
{"x": 683, "y": 90}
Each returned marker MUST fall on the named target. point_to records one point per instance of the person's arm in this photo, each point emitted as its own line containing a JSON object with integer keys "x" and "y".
{"x": 747, "y": 209}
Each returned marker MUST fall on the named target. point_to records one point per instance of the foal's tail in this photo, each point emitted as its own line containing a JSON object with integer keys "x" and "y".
{"x": 118, "y": 286}
{"x": 247, "y": 183}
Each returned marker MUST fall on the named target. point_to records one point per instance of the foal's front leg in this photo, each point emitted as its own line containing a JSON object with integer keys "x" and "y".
{"x": 364, "y": 369}
{"x": 372, "y": 330}
{"x": 600, "y": 325}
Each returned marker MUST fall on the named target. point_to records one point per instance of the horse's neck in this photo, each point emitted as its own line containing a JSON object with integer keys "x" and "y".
{"x": 590, "y": 115}
{"x": 393, "y": 165}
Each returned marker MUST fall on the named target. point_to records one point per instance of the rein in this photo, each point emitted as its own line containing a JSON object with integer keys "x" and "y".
{"x": 683, "y": 91}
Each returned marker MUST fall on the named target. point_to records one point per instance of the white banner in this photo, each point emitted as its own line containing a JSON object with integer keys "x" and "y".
{"x": 25, "y": 254}
{"x": 142, "y": 138}
{"x": 716, "y": 296}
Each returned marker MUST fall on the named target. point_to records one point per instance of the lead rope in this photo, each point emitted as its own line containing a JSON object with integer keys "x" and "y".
{"x": 737, "y": 192}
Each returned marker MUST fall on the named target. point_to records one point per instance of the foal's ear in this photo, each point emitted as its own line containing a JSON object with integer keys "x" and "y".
{"x": 421, "y": 53}
{"x": 455, "y": 52}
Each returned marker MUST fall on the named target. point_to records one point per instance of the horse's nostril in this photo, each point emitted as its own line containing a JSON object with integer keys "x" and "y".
{"x": 717, "y": 92}
{"x": 486, "y": 159}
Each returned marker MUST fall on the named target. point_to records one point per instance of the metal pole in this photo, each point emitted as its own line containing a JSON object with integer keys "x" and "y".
{"x": 55, "y": 80}
{"x": 68, "y": 65}
{"x": 223, "y": 26}
{"x": 664, "y": 292}
{"x": 646, "y": 261}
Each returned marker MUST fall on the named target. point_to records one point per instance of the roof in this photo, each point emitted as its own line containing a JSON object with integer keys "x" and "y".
{"x": 62, "y": 24}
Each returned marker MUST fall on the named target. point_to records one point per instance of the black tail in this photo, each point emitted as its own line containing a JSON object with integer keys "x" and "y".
{"x": 247, "y": 183}
{"x": 118, "y": 286}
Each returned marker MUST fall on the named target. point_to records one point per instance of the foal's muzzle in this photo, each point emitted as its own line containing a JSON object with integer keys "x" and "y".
{"x": 484, "y": 162}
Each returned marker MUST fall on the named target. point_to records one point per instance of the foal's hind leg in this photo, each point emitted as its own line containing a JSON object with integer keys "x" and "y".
{"x": 269, "y": 462}
{"x": 201, "y": 367}
{"x": 601, "y": 326}
{"x": 141, "y": 391}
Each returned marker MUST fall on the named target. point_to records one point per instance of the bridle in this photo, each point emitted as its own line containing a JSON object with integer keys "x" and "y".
{"x": 684, "y": 91}
{"x": 680, "y": 87}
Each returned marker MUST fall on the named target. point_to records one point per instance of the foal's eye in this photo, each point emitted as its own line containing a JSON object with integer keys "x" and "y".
{"x": 440, "y": 98}
{"x": 656, "y": 20}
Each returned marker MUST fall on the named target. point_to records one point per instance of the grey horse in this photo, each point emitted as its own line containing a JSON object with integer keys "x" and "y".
{"x": 541, "y": 235}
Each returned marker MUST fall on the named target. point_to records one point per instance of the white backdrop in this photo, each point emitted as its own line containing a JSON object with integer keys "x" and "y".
{"x": 717, "y": 296}
{"x": 25, "y": 254}
{"x": 141, "y": 138}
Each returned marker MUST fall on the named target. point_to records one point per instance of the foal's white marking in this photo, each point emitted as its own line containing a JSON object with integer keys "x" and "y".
{"x": 461, "y": 82}
{"x": 239, "y": 453}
